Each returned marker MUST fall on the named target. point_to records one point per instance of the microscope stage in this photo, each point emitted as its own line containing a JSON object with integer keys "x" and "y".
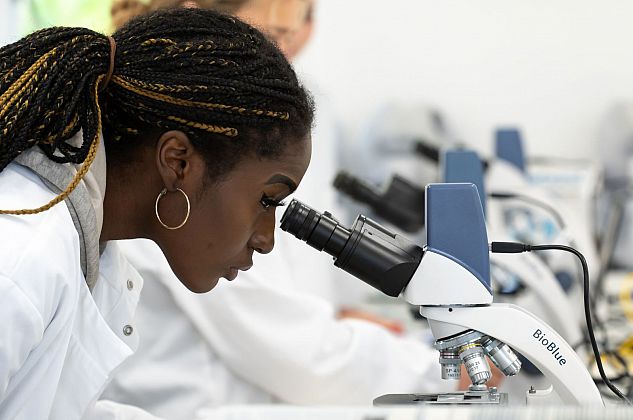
{"x": 473, "y": 396}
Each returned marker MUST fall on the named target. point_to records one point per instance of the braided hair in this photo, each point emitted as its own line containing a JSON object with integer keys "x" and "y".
{"x": 209, "y": 75}
{"x": 123, "y": 10}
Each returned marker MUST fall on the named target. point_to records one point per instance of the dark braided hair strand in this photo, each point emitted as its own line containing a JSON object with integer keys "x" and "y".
{"x": 209, "y": 75}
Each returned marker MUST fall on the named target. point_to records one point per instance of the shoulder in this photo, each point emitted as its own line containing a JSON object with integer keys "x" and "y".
{"x": 38, "y": 253}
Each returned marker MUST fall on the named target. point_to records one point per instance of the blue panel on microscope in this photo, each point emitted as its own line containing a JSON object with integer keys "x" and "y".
{"x": 465, "y": 166}
{"x": 456, "y": 228}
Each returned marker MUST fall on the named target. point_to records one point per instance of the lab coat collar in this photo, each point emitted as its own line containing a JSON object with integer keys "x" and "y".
{"x": 85, "y": 203}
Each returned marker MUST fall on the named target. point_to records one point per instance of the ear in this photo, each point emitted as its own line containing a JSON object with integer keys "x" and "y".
{"x": 177, "y": 161}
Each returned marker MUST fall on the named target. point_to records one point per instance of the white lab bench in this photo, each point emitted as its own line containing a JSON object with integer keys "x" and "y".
{"x": 283, "y": 412}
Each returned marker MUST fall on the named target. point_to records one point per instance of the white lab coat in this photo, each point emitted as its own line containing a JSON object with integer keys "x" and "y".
{"x": 59, "y": 344}
{"x": 257, "y": 340}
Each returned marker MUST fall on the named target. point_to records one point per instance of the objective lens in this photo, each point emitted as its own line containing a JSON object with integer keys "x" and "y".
{"x": 475, "y": 362}
{"x": 451, "y": 365}
{"x": 502, "y": 356}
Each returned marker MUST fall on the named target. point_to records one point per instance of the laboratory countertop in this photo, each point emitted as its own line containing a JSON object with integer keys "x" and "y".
{"x": 284, "y": 412}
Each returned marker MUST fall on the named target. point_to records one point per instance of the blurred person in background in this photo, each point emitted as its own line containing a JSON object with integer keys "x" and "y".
{"x": 38, "y": 14}
{"x": 264, "y": 339}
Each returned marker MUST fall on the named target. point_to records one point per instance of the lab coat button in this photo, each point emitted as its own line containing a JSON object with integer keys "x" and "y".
{"x": 128, "y": 330}
{"x": 130, "y": 285}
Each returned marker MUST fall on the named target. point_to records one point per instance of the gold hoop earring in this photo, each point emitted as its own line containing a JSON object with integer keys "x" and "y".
{"x": 161, "y": 195}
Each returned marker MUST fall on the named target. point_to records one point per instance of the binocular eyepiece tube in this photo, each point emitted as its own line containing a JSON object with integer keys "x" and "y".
{"x": 320, "y": 231}
{"x": 367, "y": 251}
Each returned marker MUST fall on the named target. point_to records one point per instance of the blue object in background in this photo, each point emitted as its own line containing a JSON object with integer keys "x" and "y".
{"x": 509, "y": 147}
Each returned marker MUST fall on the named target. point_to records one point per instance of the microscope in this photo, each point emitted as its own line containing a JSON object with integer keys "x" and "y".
{"x": 449, "y": 279}
{"x": 401, "y": 203}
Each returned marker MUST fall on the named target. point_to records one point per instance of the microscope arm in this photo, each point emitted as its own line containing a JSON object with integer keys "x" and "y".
{"x": 529, "y": 336}
{"x": 539, "y": 280}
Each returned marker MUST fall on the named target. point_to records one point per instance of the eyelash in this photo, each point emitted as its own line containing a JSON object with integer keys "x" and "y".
{"x": 268, "y": 202}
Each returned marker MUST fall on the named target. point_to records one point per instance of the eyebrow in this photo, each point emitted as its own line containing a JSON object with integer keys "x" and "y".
{"x": 282, "y": 179}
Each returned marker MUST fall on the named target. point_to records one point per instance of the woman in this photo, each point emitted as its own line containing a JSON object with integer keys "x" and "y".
{"x": 206, "y": 130}
{"x": 264, "y": 339}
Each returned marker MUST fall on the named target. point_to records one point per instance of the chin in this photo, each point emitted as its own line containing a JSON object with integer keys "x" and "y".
{"x": 202, "y": 286}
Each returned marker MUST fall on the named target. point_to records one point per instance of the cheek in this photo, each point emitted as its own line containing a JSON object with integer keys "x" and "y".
{"x": 220, "y": 234}
{"x": 210, "y": 242}
{"x": 229, "y": 229}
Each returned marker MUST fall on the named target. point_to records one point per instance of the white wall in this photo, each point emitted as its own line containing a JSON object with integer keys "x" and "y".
{"x": 550, "y": 66}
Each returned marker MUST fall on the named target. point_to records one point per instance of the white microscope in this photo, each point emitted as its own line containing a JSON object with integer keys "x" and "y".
{"x": 450, "y": 280}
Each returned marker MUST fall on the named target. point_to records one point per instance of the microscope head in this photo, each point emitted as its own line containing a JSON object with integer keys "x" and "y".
{"x": 455, "y": 269}
{"x": 456, "y": 242}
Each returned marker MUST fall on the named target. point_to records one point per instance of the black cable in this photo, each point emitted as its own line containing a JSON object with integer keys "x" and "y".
{"x": 617, "y": 356}
{"x": 514, "y": 247}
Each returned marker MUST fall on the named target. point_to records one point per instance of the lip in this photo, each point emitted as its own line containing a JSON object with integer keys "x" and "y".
{"x": 234, "y": 271}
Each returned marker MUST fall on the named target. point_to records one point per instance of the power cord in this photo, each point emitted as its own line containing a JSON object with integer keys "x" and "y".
{"x": 619, "y": 358}
{"x": 516, "y": 248}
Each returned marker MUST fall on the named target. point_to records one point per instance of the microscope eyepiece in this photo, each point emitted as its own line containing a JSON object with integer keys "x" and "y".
{"x": 368, "y": 251}
{"x": 299, "y": 220}
{"x": 320, "y": 231}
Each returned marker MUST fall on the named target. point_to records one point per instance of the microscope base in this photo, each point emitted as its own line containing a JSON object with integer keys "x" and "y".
{"x": 482, "y": 396}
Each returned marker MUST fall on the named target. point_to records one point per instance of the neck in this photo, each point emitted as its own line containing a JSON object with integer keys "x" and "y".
{"x": 128, "y": 207}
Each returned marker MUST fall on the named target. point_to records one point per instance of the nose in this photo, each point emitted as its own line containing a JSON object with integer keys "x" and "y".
{"x": 263, "y": 239}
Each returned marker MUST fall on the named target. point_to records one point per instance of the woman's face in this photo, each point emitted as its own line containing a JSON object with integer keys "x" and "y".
{"x": 287, "y": 22}
{"x": 230, "y": 219}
